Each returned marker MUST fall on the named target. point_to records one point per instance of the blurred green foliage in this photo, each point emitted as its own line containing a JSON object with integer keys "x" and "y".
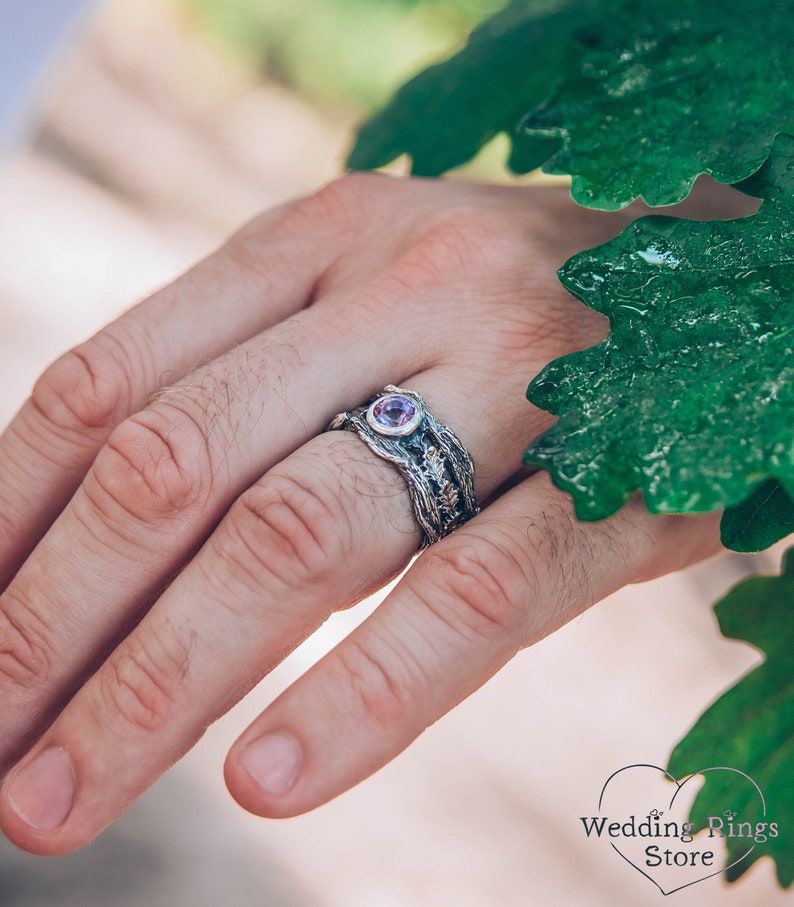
{"x": 339, "y": 52}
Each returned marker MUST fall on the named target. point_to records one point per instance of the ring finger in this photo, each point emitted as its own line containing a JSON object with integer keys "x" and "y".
{"x": 317, "y": 532}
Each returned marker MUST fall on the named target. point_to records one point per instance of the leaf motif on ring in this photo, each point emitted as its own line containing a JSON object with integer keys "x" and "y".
{"x": 435, "y": 464}
{"x": 448, "y": 497}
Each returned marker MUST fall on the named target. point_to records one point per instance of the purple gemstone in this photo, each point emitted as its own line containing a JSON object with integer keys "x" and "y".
{"x": 394, "y": 414}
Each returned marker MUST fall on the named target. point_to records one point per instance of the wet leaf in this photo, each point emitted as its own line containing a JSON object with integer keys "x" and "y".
{"x": 758, "y": 522}
{"x": 669, "y": 90}
{"x": 751, "y": 727}
{"x": 443, "y": 116}
{"x": 690, "y": 397}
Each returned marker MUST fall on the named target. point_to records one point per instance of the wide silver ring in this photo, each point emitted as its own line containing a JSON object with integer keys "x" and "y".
{"x": 397, "y": 426}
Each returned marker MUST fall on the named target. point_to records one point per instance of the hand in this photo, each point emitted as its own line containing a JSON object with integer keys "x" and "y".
{"x": 173, "y": 520}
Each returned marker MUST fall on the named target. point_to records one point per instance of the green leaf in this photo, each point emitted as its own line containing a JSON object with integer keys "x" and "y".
{"x": 761, "y": 520}
{"x": 751, "y": 727}
{"x": 443, "y": 116}
{"x": 690, "y": 397}
{"x": 669, "y": 90}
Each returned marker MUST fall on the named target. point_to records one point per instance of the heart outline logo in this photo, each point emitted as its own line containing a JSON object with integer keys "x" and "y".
{"x": 679, "y": 785}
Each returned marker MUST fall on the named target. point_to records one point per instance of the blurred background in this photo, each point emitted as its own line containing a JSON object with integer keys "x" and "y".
{"x": 151, "y": 130}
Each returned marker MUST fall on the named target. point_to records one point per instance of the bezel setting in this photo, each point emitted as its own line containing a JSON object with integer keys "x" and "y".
{"x": 398, "y": 430}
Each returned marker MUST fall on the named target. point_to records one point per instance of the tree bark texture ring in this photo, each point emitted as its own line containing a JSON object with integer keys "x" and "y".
{"x": 397, "y": 426}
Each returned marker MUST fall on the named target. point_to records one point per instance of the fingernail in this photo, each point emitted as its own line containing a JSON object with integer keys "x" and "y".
{"x": 42, "y": 792}
{"x": 274, "y": 762}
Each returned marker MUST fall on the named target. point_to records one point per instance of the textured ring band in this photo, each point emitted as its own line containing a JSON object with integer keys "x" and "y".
{"x": 396, "y": 425}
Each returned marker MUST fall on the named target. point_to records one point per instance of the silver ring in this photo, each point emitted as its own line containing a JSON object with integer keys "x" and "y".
{"x": 396, "y": 425}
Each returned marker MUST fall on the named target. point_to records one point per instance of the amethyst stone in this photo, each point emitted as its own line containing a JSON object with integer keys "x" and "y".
{"x": 394, "y": 414}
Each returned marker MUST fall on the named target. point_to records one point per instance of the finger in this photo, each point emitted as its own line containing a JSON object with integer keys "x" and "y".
{"x": 101, "y": 568}
{"x": 503, "y": 581}
{"x": 167, "y": 474}
{"x": 316, "y": 533}
{"x": 272, "y": 267}
{"x": 215, "y": 632}
{"x": 163, "y": 480}
{"x": 249, "y": 284}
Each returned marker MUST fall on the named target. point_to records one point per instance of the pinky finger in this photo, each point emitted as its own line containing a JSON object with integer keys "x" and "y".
{"x": 518, "y": 572}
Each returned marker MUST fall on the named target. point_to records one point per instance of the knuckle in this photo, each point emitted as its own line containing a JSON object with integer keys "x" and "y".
{"x": 253, "y": 251}
{"x": 153, "y": 467}
{"x": 383, "y": 696}
{"x": 27, "y": 654}
{"x": 472, "y": 244}
{"x": 340, "y": 204}
{"x": 86, "y": 390}
{"x": 140, "y": 685}
{"x": 283, "y": 529}
{"x": 479, "y": 587}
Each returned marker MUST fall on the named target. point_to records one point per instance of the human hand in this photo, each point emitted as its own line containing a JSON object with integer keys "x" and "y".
{"x": 173, "y": 521}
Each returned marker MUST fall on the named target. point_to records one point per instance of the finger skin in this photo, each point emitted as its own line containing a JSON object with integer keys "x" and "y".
{"x": 464, "y": 292}
{"x": 274, "y": 266}
{"x": 461, "y": 613}
{"x": 167, "y": 474}
{"x": 464, "y": 609}
{"x": 246, "y": 286}
{"x": 163, "y": 480}
{"x": 318, "y": 532}
{"x": 279, "y": 563}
